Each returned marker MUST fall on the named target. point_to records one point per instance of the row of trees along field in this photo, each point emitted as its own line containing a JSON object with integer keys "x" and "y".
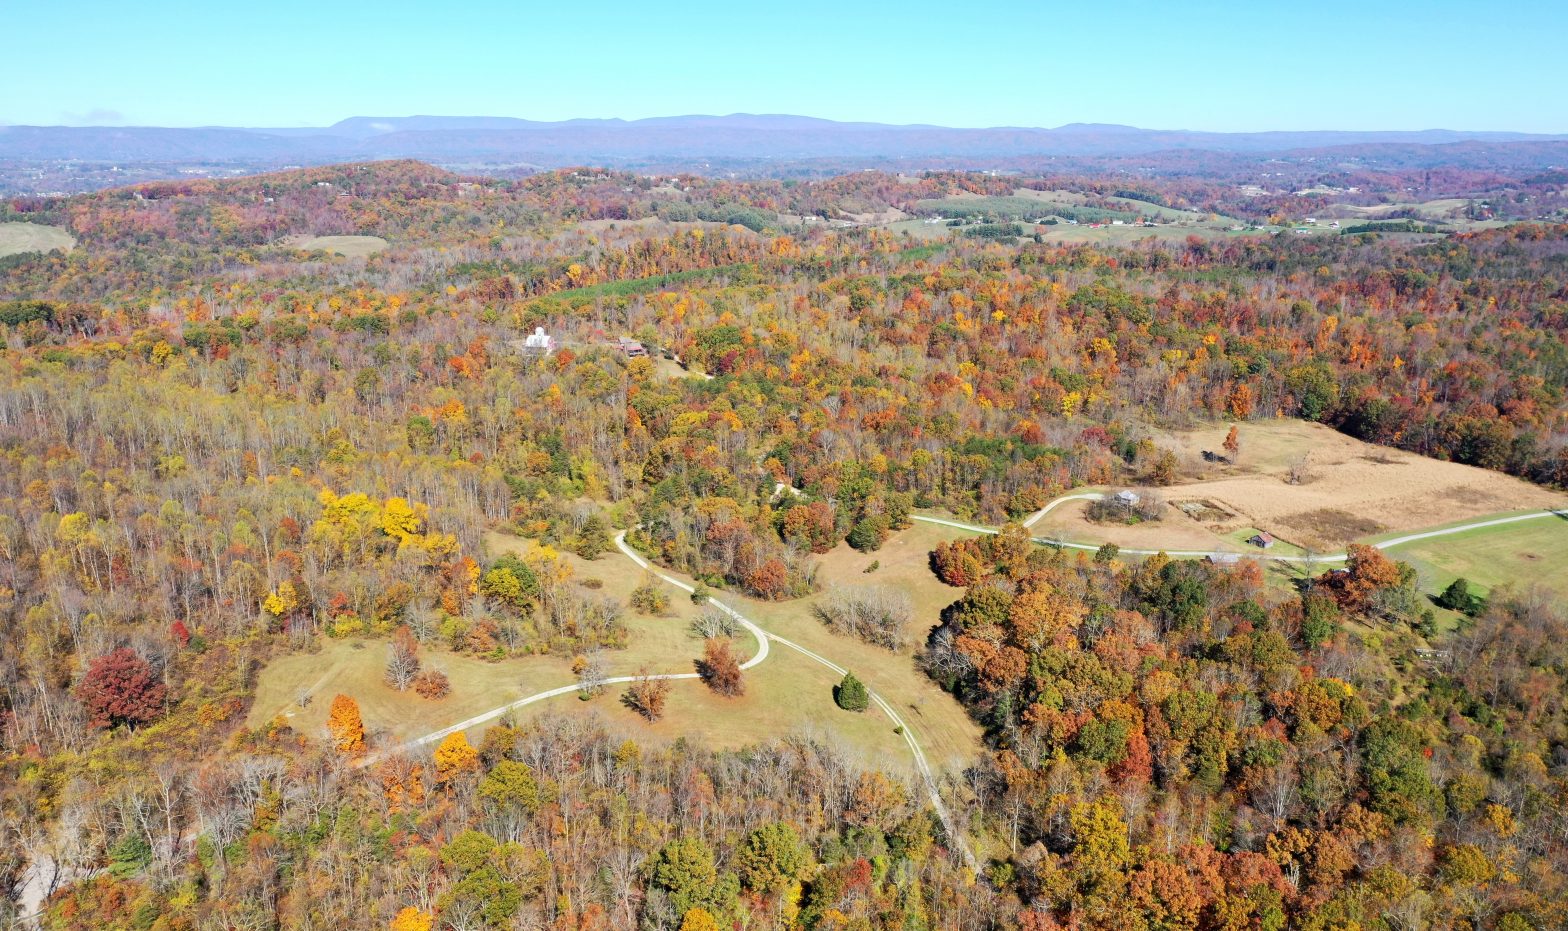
{"x": 219, "y": 450}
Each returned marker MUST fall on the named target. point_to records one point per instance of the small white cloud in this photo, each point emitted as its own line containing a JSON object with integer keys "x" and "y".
{"x": 98, "y": 116}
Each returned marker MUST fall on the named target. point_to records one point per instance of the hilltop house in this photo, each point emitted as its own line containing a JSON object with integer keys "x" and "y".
{"x": 538, "y": 343}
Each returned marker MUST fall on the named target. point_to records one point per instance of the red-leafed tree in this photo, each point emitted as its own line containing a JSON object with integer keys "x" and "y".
{"x": 121, "y": 688}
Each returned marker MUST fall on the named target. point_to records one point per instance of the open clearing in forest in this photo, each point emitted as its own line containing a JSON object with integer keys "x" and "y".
{"x": 945, "y": 731}
{"x": 354, "y": 247}
{"x": 1354, "y": 490}
{"x": 788, "y": 695}
{"x": 17, "y": 238}
{"x": 1523, "y": 554}
{"x": 1096, "y": 218}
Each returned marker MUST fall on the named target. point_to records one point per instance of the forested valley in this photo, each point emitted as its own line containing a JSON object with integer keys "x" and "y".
{"x": 219, "y": 448}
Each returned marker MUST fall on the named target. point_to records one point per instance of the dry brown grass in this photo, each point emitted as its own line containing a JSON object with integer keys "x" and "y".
{"x": 1356, "y": 489}
{"x": 1174, "y": 531}
{"x": 17, "y": 238}
{"x": 788, "y": 696}
{"x": 354, "y": 247}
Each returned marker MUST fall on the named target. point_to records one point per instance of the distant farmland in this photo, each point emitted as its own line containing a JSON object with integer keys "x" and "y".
{"x": 1019, "y": 208}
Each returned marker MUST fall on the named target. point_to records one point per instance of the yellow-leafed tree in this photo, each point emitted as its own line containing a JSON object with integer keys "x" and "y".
{"x": 455, "y": 756}
{"x": 699, "y": 919}
{"x": 411, "y": 919}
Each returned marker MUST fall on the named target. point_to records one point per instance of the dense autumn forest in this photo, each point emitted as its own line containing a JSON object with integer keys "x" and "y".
{"x": 220, "y": 449}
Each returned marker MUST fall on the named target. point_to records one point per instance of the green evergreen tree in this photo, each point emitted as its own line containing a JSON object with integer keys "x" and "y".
{"x": 1458, "y": 597}
{"x": 851, "y": 694}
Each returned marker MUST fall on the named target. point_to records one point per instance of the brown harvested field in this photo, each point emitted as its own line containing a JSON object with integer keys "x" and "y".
{"x": 1353, "y": 490}
{"x": 1174, "y": 531}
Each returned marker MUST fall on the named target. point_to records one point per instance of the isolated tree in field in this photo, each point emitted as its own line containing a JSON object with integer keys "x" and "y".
{"x": 719, "y": 668}
{"x": 402, "y": 660}
{"x": 345, "y": 726}
{"x": 1232, "y": 443}
{"x": 851, "y": 694}
{"x": 1458, "y": 597}
{"x": 455, "y": 756}
{"x": 650, "y": 597}
{"x": 874, "y": 613}
{"x": 1163, "y": 471}
{"x": 121, "y": 688}
{"x": 646, "y": 696}
{"x": 591, "y": 671}
{"x": 432, "y": 684}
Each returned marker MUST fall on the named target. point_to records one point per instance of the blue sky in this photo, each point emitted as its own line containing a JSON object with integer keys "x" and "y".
{"x": 1180, "y": 64}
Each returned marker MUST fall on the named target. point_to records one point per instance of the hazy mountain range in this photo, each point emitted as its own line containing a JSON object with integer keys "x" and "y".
{"x": 737, "y": 136}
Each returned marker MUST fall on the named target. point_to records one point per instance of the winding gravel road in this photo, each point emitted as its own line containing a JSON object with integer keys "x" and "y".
{"x": 763, "y": 638}
{"x": 1198, "y": 554}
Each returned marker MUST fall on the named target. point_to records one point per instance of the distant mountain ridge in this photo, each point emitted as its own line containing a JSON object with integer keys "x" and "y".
{"x": 735, "y": 136}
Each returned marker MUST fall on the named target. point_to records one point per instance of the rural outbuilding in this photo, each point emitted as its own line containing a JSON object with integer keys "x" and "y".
{"x": 1262, "y": 539}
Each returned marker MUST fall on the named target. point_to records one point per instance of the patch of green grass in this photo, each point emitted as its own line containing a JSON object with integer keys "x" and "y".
{"x": 632, "y": 286}
{"x": 1522, "y": 554}
{"x": 1017, "y": 208}
{"x": 1280, "y": 547}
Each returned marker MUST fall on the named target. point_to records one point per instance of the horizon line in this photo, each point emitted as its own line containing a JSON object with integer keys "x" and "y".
{"x": 629, "y": 121}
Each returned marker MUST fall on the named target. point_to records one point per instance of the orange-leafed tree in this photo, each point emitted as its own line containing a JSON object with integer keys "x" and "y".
{"x": 1366, "y": 571}
{"x": 345, "y": 725}
{"x": 719, "y": 668}
{"x": 455, "y": 756}
{"x": 1232, "y": 442}
{"x": 646, "y": 696}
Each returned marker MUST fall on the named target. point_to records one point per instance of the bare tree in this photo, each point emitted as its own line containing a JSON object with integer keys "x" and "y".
{"x": 873, "y": 613}
{"x": 591, "y": 670}
{"x": 402, "y": 660}
{"x": 1299, "y": 472}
